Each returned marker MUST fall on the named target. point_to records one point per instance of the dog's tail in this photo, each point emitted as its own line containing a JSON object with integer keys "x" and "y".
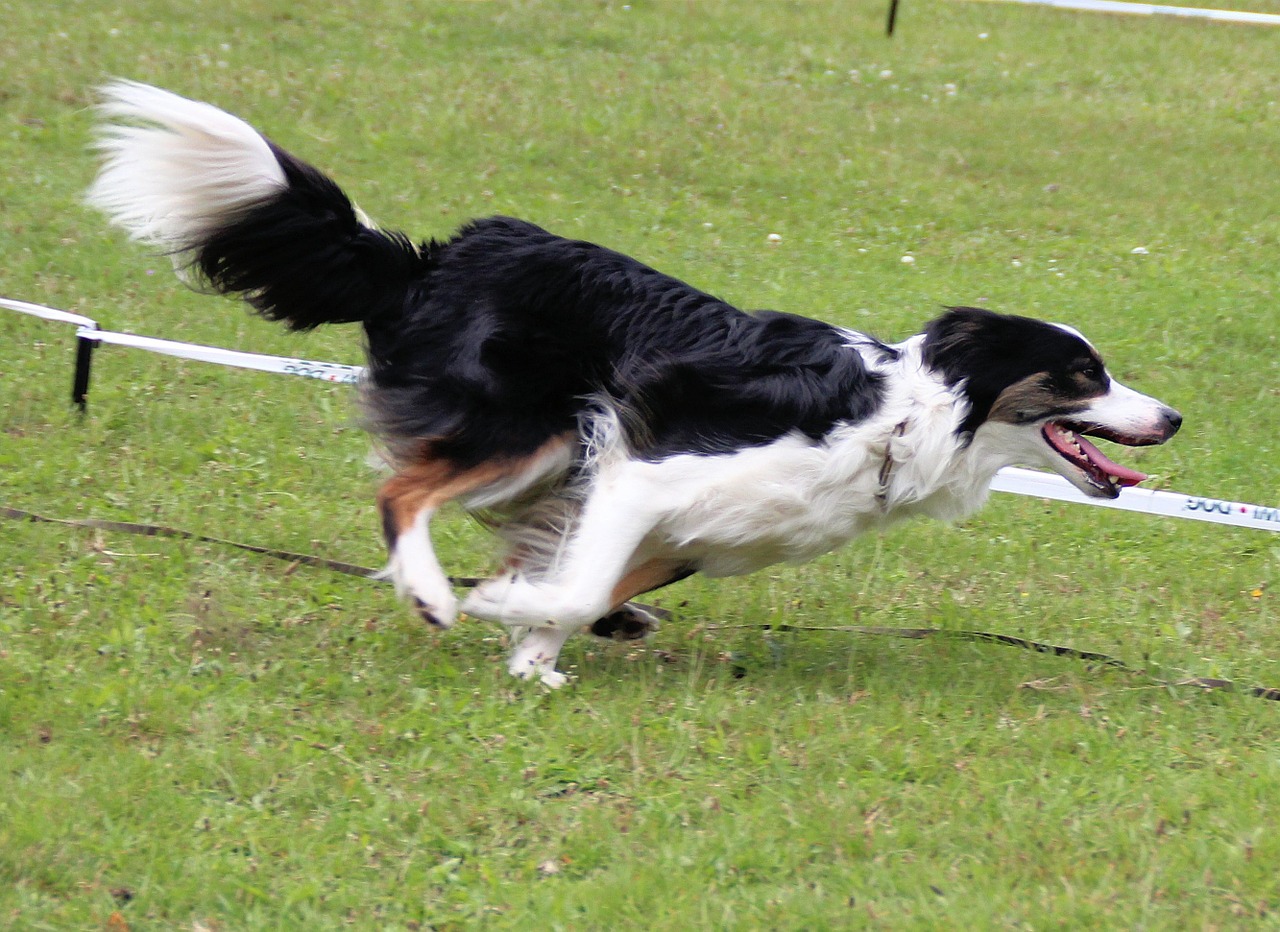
{"x": 242, "y": 213}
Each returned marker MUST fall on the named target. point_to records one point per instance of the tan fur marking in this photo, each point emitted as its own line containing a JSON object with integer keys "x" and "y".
{"x": 1028, "y": 399}
{"x": 646, "y": 576}
{"x": 433, "y": 481}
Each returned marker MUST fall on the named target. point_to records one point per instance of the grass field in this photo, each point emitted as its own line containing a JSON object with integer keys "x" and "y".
{"x": 198, "y": 738}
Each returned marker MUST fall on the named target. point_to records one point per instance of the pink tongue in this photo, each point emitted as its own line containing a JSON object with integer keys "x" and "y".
{"x": 1121, "y": 474}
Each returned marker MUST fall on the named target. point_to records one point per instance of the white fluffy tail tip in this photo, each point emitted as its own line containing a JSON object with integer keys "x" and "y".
{"x": 175, "y": 170}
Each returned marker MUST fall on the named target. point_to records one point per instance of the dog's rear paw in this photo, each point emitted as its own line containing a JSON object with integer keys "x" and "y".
{"x": 486, "y": 600}
{"x": 629, "y": 622}
{"x": 513, "y": 601}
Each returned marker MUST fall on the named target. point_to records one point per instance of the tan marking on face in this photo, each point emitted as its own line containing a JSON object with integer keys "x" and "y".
{"x": 1086, "y": 384}
{"x": 1030, "y": 399}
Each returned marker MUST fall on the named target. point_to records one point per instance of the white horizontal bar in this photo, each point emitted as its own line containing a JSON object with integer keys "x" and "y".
{"x": 1155, "y": 9}
{"x": 324, "y": 371}
{"x": 1012, "y": 479}
{"x": 48, "y": 313}
{"x": 1147, "y": 501}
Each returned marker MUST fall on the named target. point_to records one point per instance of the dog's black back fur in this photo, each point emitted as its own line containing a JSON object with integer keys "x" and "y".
{"x": 501, "y": 338}
{"x": 521, "y": 327}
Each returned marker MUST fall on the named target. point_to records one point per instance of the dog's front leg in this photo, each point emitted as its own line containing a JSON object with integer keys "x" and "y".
{"x": 538, "y": 648}
{"x": 536, "y": 653}
{"x": 583, "y": 584}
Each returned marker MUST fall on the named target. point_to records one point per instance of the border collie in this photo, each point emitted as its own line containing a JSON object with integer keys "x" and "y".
{"x": 619, "y": 429}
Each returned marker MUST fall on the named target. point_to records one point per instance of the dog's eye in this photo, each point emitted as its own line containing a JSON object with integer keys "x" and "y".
{"x": 1091, "y": 372}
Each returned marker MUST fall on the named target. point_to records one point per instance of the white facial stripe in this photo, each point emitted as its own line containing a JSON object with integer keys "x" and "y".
{"x": 1077, "y": 334}
{"x": 1124, "y": 410}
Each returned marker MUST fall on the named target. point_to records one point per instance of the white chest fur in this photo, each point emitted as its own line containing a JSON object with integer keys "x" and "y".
{"x": 793, "y": 499}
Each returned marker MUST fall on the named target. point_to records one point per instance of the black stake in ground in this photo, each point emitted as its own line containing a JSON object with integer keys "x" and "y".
{"x": 84, "y": 361}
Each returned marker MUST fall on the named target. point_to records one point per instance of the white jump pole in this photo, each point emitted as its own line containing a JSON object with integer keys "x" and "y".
{"x": 1154, "y": 9}
{"x": 1014, "y": 480}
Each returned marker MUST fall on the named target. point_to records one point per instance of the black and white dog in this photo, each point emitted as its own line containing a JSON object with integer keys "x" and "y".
{"x": 618, "y": 428}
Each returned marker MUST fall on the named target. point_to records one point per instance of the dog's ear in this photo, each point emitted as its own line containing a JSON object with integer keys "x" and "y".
{"x": 953, "y": 341}
{"x": 969, "y": 347}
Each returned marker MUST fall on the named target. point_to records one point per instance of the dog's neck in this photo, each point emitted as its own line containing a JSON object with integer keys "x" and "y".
{"x": 929, "y": 467}
{"x": 886, "y": 467}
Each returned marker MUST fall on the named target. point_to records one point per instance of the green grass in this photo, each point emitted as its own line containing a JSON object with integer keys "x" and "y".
{"x": 198, "y": 738}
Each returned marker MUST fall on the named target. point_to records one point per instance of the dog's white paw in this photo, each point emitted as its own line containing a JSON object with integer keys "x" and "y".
{"x": 554, "y": 678}
{"x": 535, "y": 657}
{"x": 431, "y": 597}
{"x": 487, "y": 599}
{"x": 439, "y": 614}
{"x": 534, "y": 668}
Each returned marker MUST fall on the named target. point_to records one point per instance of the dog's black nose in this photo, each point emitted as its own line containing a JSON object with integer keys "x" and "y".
{"x": 1172, "y": 420}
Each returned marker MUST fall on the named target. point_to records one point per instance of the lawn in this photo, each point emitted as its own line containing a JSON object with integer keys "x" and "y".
{"x": 199, "y": 738}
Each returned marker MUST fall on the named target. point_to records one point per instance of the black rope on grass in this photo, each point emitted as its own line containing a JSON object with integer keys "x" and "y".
{"x": 1058, "y": 650}
{"x": 364, "y": 572}
{"x": 159, "y": 530}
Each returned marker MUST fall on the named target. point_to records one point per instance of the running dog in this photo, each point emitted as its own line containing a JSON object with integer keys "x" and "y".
{"x": 619, "y": 429}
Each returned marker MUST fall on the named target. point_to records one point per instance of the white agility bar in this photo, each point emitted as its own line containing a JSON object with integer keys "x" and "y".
{"x": 1012, "y": 479}
{"x": 48, "y": 313}
{"x": 324, "y": 371}
{"x": 1155, "y": 9}
{"x": 1147, "y": 501}
{"x": 87, "y": 329}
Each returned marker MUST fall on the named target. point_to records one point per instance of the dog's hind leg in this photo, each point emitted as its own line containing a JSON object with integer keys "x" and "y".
{"x": 410, "y": 498}
{"x": 407, "y": 501}
{"x": 604, "y": 564}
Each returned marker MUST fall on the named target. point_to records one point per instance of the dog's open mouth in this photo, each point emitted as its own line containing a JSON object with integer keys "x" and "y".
{"x": 1108, "y": 478}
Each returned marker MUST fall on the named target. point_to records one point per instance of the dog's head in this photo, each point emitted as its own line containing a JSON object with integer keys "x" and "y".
{"x": 1037, "y": 390}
